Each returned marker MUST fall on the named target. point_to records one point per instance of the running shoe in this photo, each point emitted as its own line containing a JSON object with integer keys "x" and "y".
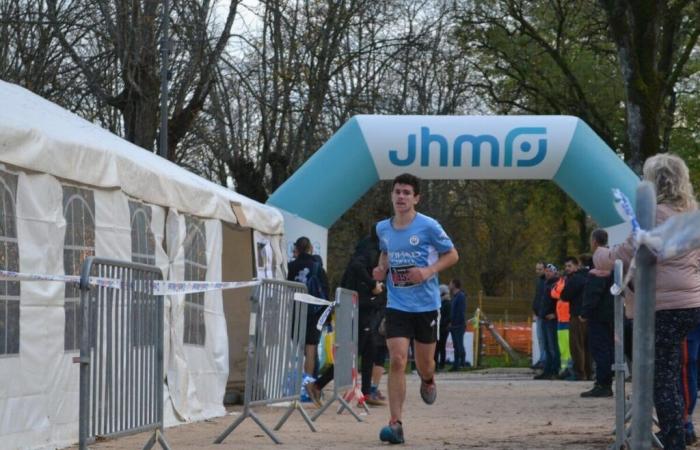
{"x": 428, "y": 391}
{"x": 392, "y": 433}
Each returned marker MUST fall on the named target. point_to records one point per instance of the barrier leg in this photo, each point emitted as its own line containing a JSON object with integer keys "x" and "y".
{"x": 157, "y": 437}
{"x": 306, "y": 417}
{"x": 232, "y": 427}
{"x": 285, "y": 416}
{"x": 265, "y": 429}
{"x": 324, "y": 407}
{"x": 150, "y": 442}
{"x": 162, "y": 441}
{"x": 345, "y": 405}
{"x": 296, "y": 405}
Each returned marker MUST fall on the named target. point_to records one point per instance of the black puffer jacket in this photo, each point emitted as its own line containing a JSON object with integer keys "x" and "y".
{"x": 573, "y": 290}
{"x": 358, "y": 273}
{"x": 547, "y": 304}
{"x": 598, "y": 302}
{"x": 537, "y": 299}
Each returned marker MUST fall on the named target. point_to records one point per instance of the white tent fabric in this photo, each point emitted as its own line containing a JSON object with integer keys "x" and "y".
{"x": 38, "y": 135}
{"x": 196, "y": 375}
{"x": 51, "y": 152}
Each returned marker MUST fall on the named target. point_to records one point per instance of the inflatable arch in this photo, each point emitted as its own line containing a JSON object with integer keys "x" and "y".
{"x": 369, "y": 148}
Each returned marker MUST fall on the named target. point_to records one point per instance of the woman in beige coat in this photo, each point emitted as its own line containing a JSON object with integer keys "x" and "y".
{"x": 677, "y": 294}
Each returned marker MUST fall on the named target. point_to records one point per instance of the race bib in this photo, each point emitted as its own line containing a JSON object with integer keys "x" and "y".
{"x": 399, "y": 276}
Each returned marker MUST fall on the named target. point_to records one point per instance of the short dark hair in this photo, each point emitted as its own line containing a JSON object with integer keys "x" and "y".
{"x": 410, "y": 179}
{"x": 571, "y": 259}
{"x": 600, "y": 236}
{"x": 303, "y": 245}
{"x": 456, "y": 283}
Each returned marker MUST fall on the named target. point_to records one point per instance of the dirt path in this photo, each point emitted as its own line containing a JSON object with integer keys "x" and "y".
{"x": 502, "y": 409}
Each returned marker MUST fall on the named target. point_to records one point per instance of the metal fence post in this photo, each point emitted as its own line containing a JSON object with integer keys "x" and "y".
{"x": 644, "y": 324}
{"x": 619, "y": 364}
{"x": 346, "y": 341}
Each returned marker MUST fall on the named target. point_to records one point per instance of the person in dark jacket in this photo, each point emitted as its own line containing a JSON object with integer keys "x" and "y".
{"x": 445, "y": 317}
{"x": 546, "y": 312}
{"x": 300, "y": 269}
{"x": 357, "y": 278}
{"x": 578, "y": 329}
{"x": 458, "y": 324}
{"x": 598, "y": 311}
{"x": 539, "y": 330}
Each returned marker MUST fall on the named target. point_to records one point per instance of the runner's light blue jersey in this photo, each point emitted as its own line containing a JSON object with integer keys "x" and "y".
{"x": 418, "y": 245}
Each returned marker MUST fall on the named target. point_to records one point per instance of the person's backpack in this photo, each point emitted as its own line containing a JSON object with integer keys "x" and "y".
{"x": 313, "y": 283}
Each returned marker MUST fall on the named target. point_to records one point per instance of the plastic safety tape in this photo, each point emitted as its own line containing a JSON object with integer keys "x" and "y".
{"x": 311, "y": 300}
{"x": 163, "y": 287}
{"x": 8, "y": 275}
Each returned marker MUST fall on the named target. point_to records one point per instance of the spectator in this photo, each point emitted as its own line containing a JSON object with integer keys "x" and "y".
{"x": 547, "y": 313}
{"x": 677, "y": 294}
{"x": 357, "y": 278}
{"x": 578, "y": 330}
{"x": 458, "y": 324}
{"x": 563, "y": 318}
{"x": 303, "y": 269}
{"x": 597, "y": 311}
{"x": 539, "y": 323}
{"x": 445, "y": 316}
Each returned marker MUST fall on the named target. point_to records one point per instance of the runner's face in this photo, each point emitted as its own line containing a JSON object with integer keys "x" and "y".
{"x": 403, "y": 198}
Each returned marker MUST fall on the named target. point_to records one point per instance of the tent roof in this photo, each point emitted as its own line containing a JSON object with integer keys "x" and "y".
{"x": 38, "y": 135}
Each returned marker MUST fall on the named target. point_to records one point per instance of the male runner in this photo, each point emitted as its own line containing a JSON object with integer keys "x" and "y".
{"x": 414, "y": 249}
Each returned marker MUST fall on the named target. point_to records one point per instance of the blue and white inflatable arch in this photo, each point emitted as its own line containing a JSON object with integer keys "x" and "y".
{"x": 371, "y": 148}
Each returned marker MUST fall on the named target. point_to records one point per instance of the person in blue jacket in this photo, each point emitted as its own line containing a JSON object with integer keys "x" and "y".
{"x": 458, "y": 323}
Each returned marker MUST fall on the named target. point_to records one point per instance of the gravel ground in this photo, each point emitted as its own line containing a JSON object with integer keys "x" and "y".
{"x": 489, "y": 409}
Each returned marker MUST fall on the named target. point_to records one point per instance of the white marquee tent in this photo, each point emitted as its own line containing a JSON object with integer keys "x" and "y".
{"x": 69, "y": 189}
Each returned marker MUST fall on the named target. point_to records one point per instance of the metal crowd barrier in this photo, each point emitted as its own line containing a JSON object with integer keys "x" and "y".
{"x": 623, "y": 407}
{"x": 121, "y": 353}
{"x": 345, "y": 351}
{"x": 276, "y": 341}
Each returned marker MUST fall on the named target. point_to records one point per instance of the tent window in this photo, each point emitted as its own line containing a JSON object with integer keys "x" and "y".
{"x": 9, "y": 260}
{"x": 195, "y": 270}
{"x": 79, "y": 243}
{"x": 143, "y": 250}
{"x": 143, "y": 244}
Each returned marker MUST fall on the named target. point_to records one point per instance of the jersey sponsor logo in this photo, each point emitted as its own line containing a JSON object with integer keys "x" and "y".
{"x": 404, "y": 258}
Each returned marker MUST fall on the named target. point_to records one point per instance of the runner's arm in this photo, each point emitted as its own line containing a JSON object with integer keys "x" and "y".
{"x": 447, "y": 259}
{"x": 379, "y": 272}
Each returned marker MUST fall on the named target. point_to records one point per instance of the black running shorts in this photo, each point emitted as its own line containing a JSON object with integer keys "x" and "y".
{"x": 421, "y": 326}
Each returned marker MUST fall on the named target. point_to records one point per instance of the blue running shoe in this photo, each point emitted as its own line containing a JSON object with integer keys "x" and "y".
{"x": 392, "y": 433}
